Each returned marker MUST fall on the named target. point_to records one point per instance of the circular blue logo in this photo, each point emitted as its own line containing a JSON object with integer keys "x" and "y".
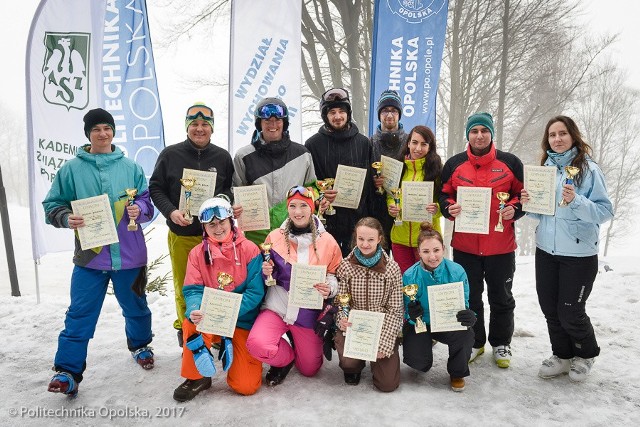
{"x": 416, "y": 11}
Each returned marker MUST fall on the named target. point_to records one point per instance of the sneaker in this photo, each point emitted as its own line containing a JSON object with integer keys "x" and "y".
{"x": 144, "y": 357}
{"x": 352, "y": 379}
{"x": 502, "y": 355}
{"x": 475, "y": 352}
{"x": 580, "y": 368}
{"x": 180, "y": 337}
{"x": 457, "y": 384}
{"x": 63, "y": 382}
{"x": 190, "y": 389}
{"x": 276, "y": 375}
{"x": 554, "y": 366}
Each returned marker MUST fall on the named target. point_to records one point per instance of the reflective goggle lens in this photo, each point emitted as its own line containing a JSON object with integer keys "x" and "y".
{"x": 215, "y": 212}
{"x": 272, "y": 110}
{"x": 200, "y": 111}
{"x": 298, "y": 189}
{"x": 337, "y": 94}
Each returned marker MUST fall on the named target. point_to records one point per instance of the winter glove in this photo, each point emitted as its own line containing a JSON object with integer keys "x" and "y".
{"x": 201, "y": 355}
{"x": 325, "y": 320}
{"x": 225, "y": 353}
{"x": 466, "y": 318}
{"x": 140, "y": 283}
{"x": 414, "y": 310}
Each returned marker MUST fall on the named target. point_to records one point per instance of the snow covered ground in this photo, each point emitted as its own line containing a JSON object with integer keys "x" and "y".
{"x": 117, "y": 391}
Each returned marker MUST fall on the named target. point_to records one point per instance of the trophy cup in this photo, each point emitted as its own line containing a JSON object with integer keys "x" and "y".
{"x": 571, "y": 171}
{"x": 503, "y": 197}
{"x": 188, "y": 184}
{"x": 378, "y": 167}
{"x": 324, "y": 185}
{"x": 224, "y": 279}
{"x": 396, "y": 193}
{"x": 131, "y": 196}
{"x": 343, "y": 303}
{"x": 411, "y": 291}
{"x": 266, "y": 254}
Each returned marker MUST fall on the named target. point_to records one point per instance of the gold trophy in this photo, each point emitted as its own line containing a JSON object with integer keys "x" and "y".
{"x": 188, "y": 184}
{"x": 571, "y": 171}
{"x": 266, "y": 254}
{"x": 378, "y": 167}
{"x": 503, "y": 197}
{"x": 396, "y": 193}
{"x": 411, "y": 291}
{"x": 131, "y": 196}
{"x": 343, "y": 303}
{"x": 224, "y": 279}
{"x": 324, "y": 185}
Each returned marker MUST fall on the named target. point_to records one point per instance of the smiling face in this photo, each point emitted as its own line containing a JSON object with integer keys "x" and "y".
{"x": 479, "y": 139}
{"x": 299, "y": 213}
{"x": 559, "y": 138}
{"x": 272, "y": 129}
{"x": 431, "y": 252}
{"x": 389, "y": 119}
{"x": 218, "y": 229}
{"x": 199, "y": 132}
{"x": 367, "y": 240}
{"x": 100, "y": 137}
{"x": 337, "y": 118}
{"x": 418, "y": 146}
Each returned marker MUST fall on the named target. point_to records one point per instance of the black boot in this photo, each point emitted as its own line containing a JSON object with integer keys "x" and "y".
{"x": 352, "y": 379}
{"x": 277, "y": 374}
{"x": 190, "y": 389}
{"x": 180, "y": 338}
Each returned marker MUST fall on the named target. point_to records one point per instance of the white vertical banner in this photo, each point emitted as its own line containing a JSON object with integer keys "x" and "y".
{"x": 265, "y": 61}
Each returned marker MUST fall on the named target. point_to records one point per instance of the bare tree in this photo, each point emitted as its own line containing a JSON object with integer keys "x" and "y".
{"x": 13, "y": 141}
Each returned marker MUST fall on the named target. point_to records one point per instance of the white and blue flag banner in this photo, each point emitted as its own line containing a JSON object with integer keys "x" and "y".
{"x": 408, "y": 40}
{"x": 265, "y": 61}
{"x": 85, "y": 54}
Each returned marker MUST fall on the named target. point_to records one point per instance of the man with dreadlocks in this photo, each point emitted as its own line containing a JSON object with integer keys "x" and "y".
{"x": 224, "y": 249}
{"x": 301, "y": 239}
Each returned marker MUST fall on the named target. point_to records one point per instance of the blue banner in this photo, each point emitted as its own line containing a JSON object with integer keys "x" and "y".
{"x": 408, "y": 40}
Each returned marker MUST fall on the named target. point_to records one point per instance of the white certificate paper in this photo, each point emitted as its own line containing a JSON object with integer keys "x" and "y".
{"x": 349, "y": 183}
{"x": 301, "y": 291}
{"x": 540, "y": 183}
{"x": 203, "y": 189}
{"x": 255, "y": 207}
{"x": 221, "y": 310}
{"x": 445, "y": 301}
{"x": 416, "y": 195}
{"x": 392, "y": 172}
{"x": 99, "y": 226}
{"x": 363, "y": 336}
{"x": 476, "y": 209}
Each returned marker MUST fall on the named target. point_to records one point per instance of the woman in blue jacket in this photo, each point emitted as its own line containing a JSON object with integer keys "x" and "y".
{"x": 567, "y": 250}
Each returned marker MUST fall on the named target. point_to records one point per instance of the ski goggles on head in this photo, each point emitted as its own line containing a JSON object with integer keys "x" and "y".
{"x": 337, "y": 94}
{"x": 271, "y": 110}
{"x": 303, "y": 191}
{"x": 200, "y": 112}
{"x": 214, "y": 212}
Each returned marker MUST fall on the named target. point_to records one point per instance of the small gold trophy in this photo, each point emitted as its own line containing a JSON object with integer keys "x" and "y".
{"x": 503, "y": 197}
{"x": 266, "y": 254}
{"x": 571, "y": 171}
{"x": 224, "y": 279}
{"x": 378, "y": 167}
{"x": 188, "y": 184}
{"x": 396, "y": 193}
{"x": 343, "y": 303}
{"x": 131, "y": 196}
{"x": 324, "y": 185}
{"x": 411, "y": 291}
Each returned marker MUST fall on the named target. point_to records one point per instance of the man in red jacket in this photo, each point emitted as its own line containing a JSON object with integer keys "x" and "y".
{"x": 486, "y": 257}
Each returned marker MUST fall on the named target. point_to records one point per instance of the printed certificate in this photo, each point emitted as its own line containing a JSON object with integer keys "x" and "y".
{"x": 540, "y": 183}
{"x": 204, "y": 189}
{"x": 349, "y": 183}
{"x": 363, "y": 336}
{"x": 445, "y": 301}
{"x": 221, "y": 310}
{"x": 476, "y": 209}
{"x": 99, "y": 226}
{"x": 392, "y": 172}
{"x": 255, "y": 207}
{"x": 416, "y": 195}
{"x": 301, "y": 291}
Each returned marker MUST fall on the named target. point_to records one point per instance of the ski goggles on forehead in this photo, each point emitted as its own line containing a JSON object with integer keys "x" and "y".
{"x": 272, "y": 110}
{"x": 337, "y": 94}
{"x": 200, "y": 111}
{"x": 214, "y": 212}
{"x": 298, "y": 189}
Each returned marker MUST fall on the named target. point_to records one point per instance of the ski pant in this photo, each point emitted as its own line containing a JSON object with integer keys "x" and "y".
{"x": 179, "y": 248}
{"x": 405, "y": 256}
{"x": 497, "y": 271}
{"x": 88, "y": 289}
{"x": 563, "y": 284}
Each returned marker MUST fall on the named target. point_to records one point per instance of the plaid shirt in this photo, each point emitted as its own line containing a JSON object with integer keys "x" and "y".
{"x": 377, "y": 289}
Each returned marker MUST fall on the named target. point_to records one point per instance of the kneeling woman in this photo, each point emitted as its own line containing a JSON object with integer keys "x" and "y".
{"x": 374, "y": 283}
{"x": 224, "y": 249}
{"x": 434, "y": 269}
{"x": 301, "y": 239}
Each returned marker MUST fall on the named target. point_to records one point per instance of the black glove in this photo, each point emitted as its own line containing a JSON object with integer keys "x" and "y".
{"x": 328, "y": 345}
{"x": 139, "y": 285}
{"x": 414, "y": 310}
{"x": 325, "y": 320}
{"x": 466, "y": 318}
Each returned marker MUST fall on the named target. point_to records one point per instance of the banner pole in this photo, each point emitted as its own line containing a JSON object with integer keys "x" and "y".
{"x": 36, "y": 262}
{"x": 8, "y": 244}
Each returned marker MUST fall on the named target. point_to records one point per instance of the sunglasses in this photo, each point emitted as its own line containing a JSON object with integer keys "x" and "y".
{"x": 200, "y": 111}
{"x": 303, "y": 191}
{"x": 337, "y": 94}
{"x": 272, "y": 110}
{"x": 214, "y": 212}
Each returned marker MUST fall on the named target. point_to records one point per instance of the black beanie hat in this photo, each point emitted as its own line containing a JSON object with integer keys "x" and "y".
{"x": 98, "y": 116}
{"x": 336, "y": 102}
{"x": 390, "y": 98}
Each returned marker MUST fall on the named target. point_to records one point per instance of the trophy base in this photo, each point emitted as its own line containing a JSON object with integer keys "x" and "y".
{"x": 499, "y": 228}
{"x": 380, "y": 190}
{"x": 330, "y": 212}
{"x": 420, "y": 327}
{"x": 132, "y": 227}
{"x": 270, "y": 282}
{"x": 188, "y": 218}
{"x": 563, "y": 203}
{"x": 323, "y": 220}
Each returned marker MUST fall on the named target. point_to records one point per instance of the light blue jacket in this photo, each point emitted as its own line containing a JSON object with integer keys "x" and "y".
{"x": 574, "y": 230}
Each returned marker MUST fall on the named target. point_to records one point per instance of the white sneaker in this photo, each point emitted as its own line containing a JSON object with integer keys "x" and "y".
{"x": 502, "y": 355}
{"x": 475, "y": 352}
{"x": 580, "y": 368}
{"x": 554, "y": 366}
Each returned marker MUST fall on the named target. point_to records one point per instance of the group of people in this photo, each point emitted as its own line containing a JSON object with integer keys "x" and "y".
{"x": 366, "y": 254}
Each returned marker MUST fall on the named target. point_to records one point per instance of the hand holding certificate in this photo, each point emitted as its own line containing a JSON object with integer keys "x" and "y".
{"x": 363, "y": 336}
{"x": 221, "y": 310}
{"x": 445, "y": 301}
{"x": 302, "y": 292}
{"x": 99, "y": 226}
{"x": 476, "y": 207}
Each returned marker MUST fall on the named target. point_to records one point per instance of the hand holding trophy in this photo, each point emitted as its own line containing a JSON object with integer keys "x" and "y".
{"x": 188, "y": 184}
{"x": 378, "y": 167}
{"x": 503, "y": 197}
{"x": 266, "y": 255}
{"x": 324, "y": 185}
{"x": 396, "y": 193}
{"x": 571, "y": 171}
{"x": 343, "y": 303}
{"x": 131, "y": 196}
{"x": 411, "y": 291}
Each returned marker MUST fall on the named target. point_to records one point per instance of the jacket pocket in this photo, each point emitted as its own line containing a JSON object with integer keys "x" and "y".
{"x": 585, "y": 233}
